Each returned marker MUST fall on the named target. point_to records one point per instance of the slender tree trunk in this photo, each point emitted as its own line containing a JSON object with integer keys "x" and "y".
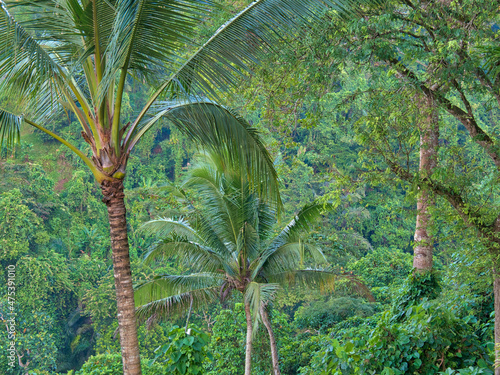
{"x": 429, "y": 137}
{"x": 272, "y": 340}
{"x": 496, "y": 292}
{"x": 114, "y": 199}
{"x": 248, "y": 350}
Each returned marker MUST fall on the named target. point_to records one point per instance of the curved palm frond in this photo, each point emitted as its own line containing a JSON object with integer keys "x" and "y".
{"x": 287, "y": 257}
{"x": 258, "y": 294}
{"x": 301, "y": 223}
{"x": 31, "y": 75}
{"x": 206, "y": 229}
{"x": 218, "y": 205}
{"x": 147, "y": 35}
{"x": 164, "y": 226}
{"x": 10, "y": 129}
{"x": 247, "y": 244}
{"x": 168, "y": 295}
{"x": 192, "y": 253}
{"x": 163, "y": 286}
{"x": 224, "y": 132}
{"x": 322, "y": 279}
{"x": 246, "y": 39}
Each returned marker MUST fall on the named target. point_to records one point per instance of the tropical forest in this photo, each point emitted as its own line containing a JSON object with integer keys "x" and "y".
{"x": 237, "y": 187}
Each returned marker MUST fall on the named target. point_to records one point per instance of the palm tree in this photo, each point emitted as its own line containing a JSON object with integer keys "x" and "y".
{"x": 78, "y": 55}
{"x": 229, "y": 246}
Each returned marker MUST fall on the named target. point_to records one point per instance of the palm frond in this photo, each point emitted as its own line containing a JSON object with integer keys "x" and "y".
{"x": 164, "y": 226}
{"x": 30, "y": 74}
{"x": 171, "y": 295}
{"x": 147, "y": 35}
{"x": 219, "y": 208}
{"x": 287, "y": 257}
{"x": 257, "y": 294}
{"x": 301, "y": 223}
{"x": 245, "y": 40}
{"x": 163, "y": 286}
{"x": 191, "y": 253}
{"x": 220, "y": 130}
{"x": 319, "y": 279}
{"x": 10, "y": 129}
{"x": 247, "y": 243}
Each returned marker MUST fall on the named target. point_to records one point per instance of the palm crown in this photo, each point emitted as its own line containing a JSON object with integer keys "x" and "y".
{"x": 230, "y": 245}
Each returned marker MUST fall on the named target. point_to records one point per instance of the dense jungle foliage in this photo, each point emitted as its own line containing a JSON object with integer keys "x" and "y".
{"x": 340, "y": 110}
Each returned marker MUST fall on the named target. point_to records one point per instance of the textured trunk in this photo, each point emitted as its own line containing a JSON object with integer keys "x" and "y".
{"x": 429, "y": 136}
{"x": 114, "y": 199}
{"x": 248, "y": 350}
{"x": 272, "y": 340}
{"x": 496, "y": 291}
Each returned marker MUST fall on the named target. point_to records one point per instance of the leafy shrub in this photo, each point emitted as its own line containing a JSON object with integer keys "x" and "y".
{"x": 415, "y": 336}
{"x": 321, "y": 315}
{"x": 467, "y": 371}
{"x": 186, "y": 353}
{"x": 429, "y": 338}
{"x": 111, "y": 364}
{"x": 297, "y": 353}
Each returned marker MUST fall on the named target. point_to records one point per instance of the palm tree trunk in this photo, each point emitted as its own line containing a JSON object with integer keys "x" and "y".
{"x": 272, "y": 340}
{"x": 248, "y": 351}
{"x": 114, "y": 199}
{"x": 429, "y": 137}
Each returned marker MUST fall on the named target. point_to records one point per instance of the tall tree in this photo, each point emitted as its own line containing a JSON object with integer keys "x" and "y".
{"x": 435, "y": 48}
{"x": 229, "y": 245}
{"x": 77, "y": 56}
{"x": 429, "y": 142}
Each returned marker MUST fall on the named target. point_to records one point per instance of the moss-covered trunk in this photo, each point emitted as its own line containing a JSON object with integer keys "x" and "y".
{"x": 429, "y": 137}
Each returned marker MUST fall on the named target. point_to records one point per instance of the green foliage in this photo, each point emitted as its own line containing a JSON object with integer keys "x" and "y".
{"x": 17, "y": 224}
{"x": 35, "y": 340}
{"x": 52, "y": 280}
{"x": 467, "y": 371}
{"x": 111, "y": 364}
{"x": 322, "y": 315}
{"x": 430, "y": 338}
{"x": 417, "y": 287}
{"x": 187, "y": 353}
{"x": 383, "y": 270}
{"x": 297, "y": 352}
{"x": 108, "y": 340}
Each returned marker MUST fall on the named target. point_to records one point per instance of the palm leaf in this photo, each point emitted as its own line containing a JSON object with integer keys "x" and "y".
{"x": 221, "y": 131}
{"x": 164, "y": 226}
{"x": 191, "y": 253}
{"x": 30, "y": 74}
{"x": 320, "y": 279}
{"x": 168, "y": 295}
{"x": 301, "y": 223}
{"x": 245, "y": 40}
{"x": 10, "y": 129}
{"x": 147, "y": 35}
{"x": 287, "y": 257}
{"x": 170, "y": 285}
{"x": 257, "y": 294}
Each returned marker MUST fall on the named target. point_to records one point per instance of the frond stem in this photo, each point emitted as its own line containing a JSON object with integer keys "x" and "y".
{"x": 99, "y": 176}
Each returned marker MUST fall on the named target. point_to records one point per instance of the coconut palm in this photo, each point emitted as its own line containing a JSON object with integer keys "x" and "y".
{"x": 229, "y": 246}
{"x": 78, "y": 56}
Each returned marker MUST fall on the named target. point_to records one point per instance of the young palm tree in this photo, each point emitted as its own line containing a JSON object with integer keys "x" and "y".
{"x": 77, "y": 56}
{"x": 229, "y": 246}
